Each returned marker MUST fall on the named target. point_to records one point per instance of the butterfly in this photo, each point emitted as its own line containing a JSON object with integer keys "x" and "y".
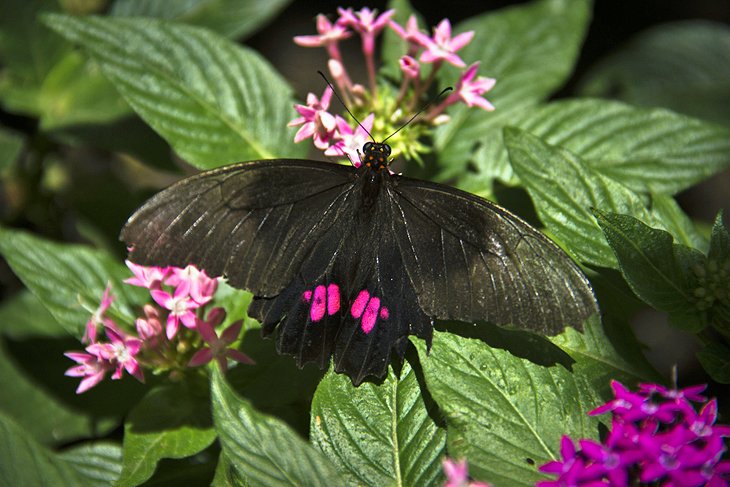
{"x": 347, "y": 262}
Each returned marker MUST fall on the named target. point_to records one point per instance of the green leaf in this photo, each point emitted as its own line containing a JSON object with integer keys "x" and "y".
{"x": 99, "y": 463}
{"x": 715, "y": 359}
{"x": 44, "y": 417}
{"x": 504, "y": 414}
{"x": 170, "y": 422}
{"x": 230, "y": 18}
{"x": 651, "y": 262}
{"x": 23, "y": 461}
{"x": 379, "y": 434}
{"x": 647, "y": 150}
{"x": 666, "y": 210}
{"x": 264, "y": 450}
{"x": 719, "y": 240}
{"x": 10, "y": 145}
{"x": 23, "y": 316}
{"x": 215, "y": 102}
{"x": 28, "y": 51}
{"x": 681, "y": 65}
{"x": 226, "y": 474}
{"x": 510, "y": 44}
{"x": 69, "y": 280}
{"x": 75, "y": 92}
{"x": 564, "y": 189}
{"x": 599, "y": 358}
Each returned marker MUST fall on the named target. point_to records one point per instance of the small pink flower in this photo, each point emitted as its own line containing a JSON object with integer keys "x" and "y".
{"x": 181, "y": 307}
{"x": 457, "y": 474}
{"x": 348, "y": 142}
{"x": 366, "y": 22}
{"x": 97, "y": 317}
{"x": 146, "y": 276}
{"x": 329, "y": 33}
{"x": 410, "y": 67}
{"x": 315, "y": 120}
{"x": 411, "y": 34}
{"x": 442, "y": 47}
{"x": 120, "y": 352}
{"x": 218, "y": 347}
{"x": 202, "y": 287}
{"x": 91, "y": 368}
{"x": 149, "y": 328}
{"x": 470, "y": 90}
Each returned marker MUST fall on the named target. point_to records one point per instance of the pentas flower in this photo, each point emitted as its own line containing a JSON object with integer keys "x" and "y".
{"x": 349, "y": 142}
{"x": 218, "y": 347}
{"x": 457, "y": 474}
{"x": 394, "y": 101}
{"x": 656, "y": 437}
{"x": 97, "y": 317}
{"x": 179, "y": 296}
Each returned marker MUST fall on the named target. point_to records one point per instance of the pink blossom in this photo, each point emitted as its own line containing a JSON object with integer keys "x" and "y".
{"x": 348, "y": 142}
{"x": 329, "y": 33}
{"x": 218, "y": 347}
{"x": 470, "y": 90}
{"x": 410, "y": 67}
{"x": 457, "y": 474}
{"x": 91, "y": 368}
{"x": 315, "y": 120}
{"x": 181, "y": 307}
{"x": 411, "y": 34}
{"x": 442, "y": 47}
{"x": 120, "y": 352}
{"x": 146, "y": 276}
{"x": 202, "y": 287}
{"x": 366, "y": 22}
{"x": 149, "y": 328}
{"x": 97, "y": 318}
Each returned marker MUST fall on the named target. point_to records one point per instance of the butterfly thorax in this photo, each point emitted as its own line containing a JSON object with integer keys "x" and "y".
{"x": 374, "y": 168}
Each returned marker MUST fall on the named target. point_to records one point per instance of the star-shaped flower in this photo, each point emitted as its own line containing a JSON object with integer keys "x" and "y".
{"x": 442, "y": 47}
{"x": 218, "y": 347}
{"x": 315, "y": 120}
{"x": 349, "y": 142}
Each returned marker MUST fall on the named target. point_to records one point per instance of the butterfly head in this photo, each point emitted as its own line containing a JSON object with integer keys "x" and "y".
{"x": 375, "y": 155}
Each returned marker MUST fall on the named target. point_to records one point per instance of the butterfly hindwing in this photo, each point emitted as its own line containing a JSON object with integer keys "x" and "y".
{"x": 469, "y": 259}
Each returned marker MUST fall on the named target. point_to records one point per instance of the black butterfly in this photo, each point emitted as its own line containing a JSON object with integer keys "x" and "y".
{"x": 350, "y": 261}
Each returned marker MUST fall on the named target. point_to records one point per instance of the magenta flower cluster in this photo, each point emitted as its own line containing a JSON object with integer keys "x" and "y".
{"x": 457, "y": 474}
{"x": 657, "y": 437}
{"x": 181, "y": 297}
{"x": 424, "y": 57}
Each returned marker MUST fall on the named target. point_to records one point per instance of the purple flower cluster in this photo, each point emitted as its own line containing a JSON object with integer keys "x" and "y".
{"x": 425, "y": 55}
{"x": 657, "y": 437}
{"x": 181, "y": 297}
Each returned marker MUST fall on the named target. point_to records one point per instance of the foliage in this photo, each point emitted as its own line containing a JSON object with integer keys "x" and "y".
{"x": 105, "y": 104}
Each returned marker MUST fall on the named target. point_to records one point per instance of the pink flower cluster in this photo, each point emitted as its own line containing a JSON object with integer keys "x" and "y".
{"x": 657, "y": 437}
{"x": 181, "y": 297}
{"x": 332, "y": 133}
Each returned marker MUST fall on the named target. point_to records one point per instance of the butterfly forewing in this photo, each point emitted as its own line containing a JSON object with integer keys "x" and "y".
{"x": 471, "y": 260}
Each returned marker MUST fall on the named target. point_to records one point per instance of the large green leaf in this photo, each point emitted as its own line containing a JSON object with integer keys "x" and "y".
{"x": 23, "y": 461}
{"x": 665, "y": 209}
{"x": 564, "y": 189}
{"x": 644, "y": 149}
{"x": 530, "y": 49}
{"x": 263, "y": 450}
{"x": 682, "y": 66}
{"x": 215, "y": 102}
{"x": 715, "y": 359}
{"x": 170, "y": 422}
{"x": 379, "y": 434}
{"x": 69, "y": 280}
{"x": 28, "y": 52}
{"x": 231, "y": 18}
{"x": 504, "y": 414}
{"x": 23, "y": 316}
{"x": 99, "y": 463}
{"x": 651, "y": 262}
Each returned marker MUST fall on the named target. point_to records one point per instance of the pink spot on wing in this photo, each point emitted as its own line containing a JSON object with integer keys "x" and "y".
{"x": 358, "y": 307}
{"x": 318, "y": 304}
{"x": 370, "y": 315}
{"x": 333, "y": 299}
{"x": 384, "y": 313}
{"x": 307, "y": 296}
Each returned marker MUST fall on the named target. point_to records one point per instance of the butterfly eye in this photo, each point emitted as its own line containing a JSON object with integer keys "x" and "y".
{"x": 367, "y": 147}
{"x": 385, "y": 148}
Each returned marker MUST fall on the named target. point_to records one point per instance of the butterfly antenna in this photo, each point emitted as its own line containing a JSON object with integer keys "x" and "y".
{"x": 343, "y": 104}
{"x": 428, "y": 104}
